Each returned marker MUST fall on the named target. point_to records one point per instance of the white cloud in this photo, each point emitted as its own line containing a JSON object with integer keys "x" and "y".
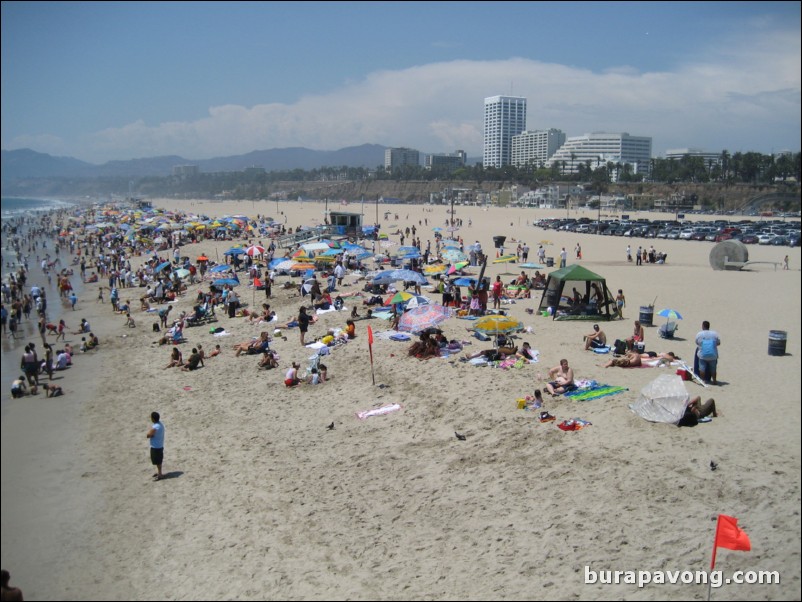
{"x": 744, "y": 98}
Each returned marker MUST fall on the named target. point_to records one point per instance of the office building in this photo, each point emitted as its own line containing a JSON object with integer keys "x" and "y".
{"x": 600, "y": 148}
{"x": 450, "y": 161}
{"x": 396, "y": 158}
{"x": 535, "y": 148}
{"x": 505, "y": 117}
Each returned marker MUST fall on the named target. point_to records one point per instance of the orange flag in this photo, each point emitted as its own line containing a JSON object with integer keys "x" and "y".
{"x": 729, "y": 536}
{"x": 256, "y": 283}
{"x": 370, "y": 335}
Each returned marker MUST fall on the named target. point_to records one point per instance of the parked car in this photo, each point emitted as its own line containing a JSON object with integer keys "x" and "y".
{"x": 749, "y": 239}
{"x": 686, "y": 234}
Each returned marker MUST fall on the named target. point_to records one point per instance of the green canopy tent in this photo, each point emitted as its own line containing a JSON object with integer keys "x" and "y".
{"x": 576, "y": 293}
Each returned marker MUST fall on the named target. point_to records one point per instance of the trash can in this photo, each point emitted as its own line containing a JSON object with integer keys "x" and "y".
{"x": 646, "y": 315}
{"x": 498, "y": 241}
{"x": 550, "y": 262}
{"x": 777, "y": 339}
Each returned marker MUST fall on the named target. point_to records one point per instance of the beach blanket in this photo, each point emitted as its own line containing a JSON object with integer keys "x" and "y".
{"x": 574, "y": 424}
{"x": 594, "y": 392}
{"x": 399, "y": 336}
{"x": 604, "y": 349}
{"x": 657, "y": 363}
{"x": 393, "y": 407}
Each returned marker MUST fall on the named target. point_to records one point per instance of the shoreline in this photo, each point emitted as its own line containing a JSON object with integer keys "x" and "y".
{"x": 262, "y": 494}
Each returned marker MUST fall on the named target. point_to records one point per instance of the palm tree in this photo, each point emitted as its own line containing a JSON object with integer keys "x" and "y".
{"x": 573, "y": 156}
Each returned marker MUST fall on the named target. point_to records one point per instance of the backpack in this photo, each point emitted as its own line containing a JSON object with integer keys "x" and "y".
{"x": 708, "y": 348}
{"x": 619, "y": 347}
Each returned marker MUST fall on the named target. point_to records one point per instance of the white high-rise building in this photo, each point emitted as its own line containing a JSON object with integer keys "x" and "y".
{"x": 602, "y": 147}
{"x": 505, "y": 117}
{"x": 534, "y": 148}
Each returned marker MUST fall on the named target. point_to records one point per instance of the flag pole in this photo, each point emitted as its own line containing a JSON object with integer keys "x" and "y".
{"x": 370, "y": 348}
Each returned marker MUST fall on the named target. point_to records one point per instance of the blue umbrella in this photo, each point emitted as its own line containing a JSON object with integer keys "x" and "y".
{"x": 226, "y": 282}
{"x": 671, "y": 314}
{"x": 221, "y": 268}
{"x": 465, "y": 281}
{"x": 234, "y": 251}
{"x": 409, "y": 276}
{"x": 161, "y": 266}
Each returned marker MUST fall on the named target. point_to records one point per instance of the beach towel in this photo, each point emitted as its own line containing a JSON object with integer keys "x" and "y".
{"x": 393, "y": 407}
{"x": 574, "y": 424}
{"x": 594, "y": 392}
{"x": 604, "y": 349}
{"x": 399, "y": 336}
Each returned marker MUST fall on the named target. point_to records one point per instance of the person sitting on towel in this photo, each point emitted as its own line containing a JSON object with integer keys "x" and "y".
{"x": 596, "y": 339}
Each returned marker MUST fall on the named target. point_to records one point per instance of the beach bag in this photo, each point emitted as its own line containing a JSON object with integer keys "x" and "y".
{"x": 155, "y": 327}
{"x": 619, "y": 347}
{"x": 338, "y": 303}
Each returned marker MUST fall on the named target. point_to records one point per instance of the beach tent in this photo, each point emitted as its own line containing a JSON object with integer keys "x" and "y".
{"x": 662, "y": 400}
{"x": 559, "y": 292}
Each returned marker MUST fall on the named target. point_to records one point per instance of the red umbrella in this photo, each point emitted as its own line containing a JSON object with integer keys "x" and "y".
{"x": 255, "y": 250}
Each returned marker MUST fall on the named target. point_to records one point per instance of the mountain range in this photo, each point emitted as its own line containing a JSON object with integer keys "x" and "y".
{"x": 26, "y": 163}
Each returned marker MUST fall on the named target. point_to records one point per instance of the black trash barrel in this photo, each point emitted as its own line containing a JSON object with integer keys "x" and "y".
{"x": 777, "y": 339}
{"x": 498, "y": 241}
{"x": 550, "y": 262}
{"x": 646, "y": 315}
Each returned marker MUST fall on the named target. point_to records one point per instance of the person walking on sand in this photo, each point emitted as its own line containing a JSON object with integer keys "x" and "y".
{"x": 563, "y": 258}
{"x": 156, "y": 436}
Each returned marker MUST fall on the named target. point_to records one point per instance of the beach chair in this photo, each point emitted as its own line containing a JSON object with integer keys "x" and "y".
{"x": 667, "y": 330}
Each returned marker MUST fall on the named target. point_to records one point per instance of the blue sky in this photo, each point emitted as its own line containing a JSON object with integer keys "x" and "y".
{"x": 101, "y": 81}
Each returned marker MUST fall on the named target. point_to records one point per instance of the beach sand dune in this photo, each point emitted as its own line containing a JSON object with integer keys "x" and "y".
{"x": 262, "y": 501}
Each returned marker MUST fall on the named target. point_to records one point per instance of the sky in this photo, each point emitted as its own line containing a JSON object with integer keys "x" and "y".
{"x": 103, "y": 81}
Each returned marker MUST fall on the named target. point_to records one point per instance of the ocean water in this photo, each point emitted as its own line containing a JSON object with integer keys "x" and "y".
{"x": 12, "y": 350}
{"x": 14, "y": 207}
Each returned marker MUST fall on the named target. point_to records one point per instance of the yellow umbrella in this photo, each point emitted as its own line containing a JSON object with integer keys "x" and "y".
{"x": 497, "y": 324}
{"x": 432, "y": 270}
{"x": 505, "y": 259}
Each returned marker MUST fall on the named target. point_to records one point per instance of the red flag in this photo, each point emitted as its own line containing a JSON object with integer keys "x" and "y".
{"x": 729, "y": 536}
{"x": 256, "y": 283}
{"x": 370, "y": 335}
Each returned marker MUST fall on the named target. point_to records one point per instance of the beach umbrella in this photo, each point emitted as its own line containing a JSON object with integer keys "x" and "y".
{"x": 432, "y": 270}
{"x": 254, "y": 251}
{"x": 453, "y": 255}
{"x": 226, "y": 282}
{"x": 161, "y": 266}
{"x": 407, "y": 250}
{"x": 532, "y": 266}
{"x": 399, "y": 297}
{"x": 181, "y": 273}
{"x": 464, "y": 281}
{"x": 416, "y": 301}
{"x": 202, "y": 258}
{"x": 496, "y": 324}
{"x": 220, "y": 268}
{"x": 303, "y": 266}
{"x": 422, "y": 317}
{"x": 409, "y": 276}
{"x": 281, "y": 264}
{"x": 234, "y": 251}
{"x": 671, "y": 314}
{"x": 505, "y": 259}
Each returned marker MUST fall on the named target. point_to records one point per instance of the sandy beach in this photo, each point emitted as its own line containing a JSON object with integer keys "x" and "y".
{"x": 262, "y": 501}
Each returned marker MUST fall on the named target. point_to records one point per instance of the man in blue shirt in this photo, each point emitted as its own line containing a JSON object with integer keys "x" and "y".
{"x": 156, "y": 436}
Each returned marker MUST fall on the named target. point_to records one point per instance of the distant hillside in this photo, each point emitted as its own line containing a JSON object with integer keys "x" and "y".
{"x": 25, "y": 163}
